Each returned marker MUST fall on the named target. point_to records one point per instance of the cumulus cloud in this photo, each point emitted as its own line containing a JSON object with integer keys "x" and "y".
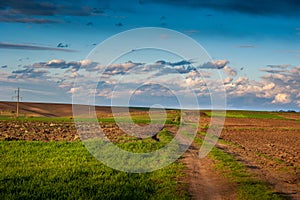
{"x": 295, "y": 71}
{"x": 230, "y": 71}
{"x": 62, "y": 64}
{"x": 59, "y": 73}
{"x": 120, "y": 69}
{"x": 282, "y": 98}
{"x": 268, "y": 86}
{"x": 281, "y": 88}
{"x": 216, "y": 64}
{"x": 227, "y": 80}
{"x": 73, "y": 90}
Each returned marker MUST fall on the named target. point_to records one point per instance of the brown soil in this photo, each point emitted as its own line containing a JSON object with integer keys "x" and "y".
{"x": 38, "y": 109}
{"x": 270, "y": 149}
{"x": 52, "y": 109}
{"x": 203, "y": 181}
{"x": 41, "y": 131}
{"x": 241, "y": 123}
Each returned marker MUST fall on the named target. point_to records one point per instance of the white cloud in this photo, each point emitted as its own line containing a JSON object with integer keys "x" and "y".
{"x": 230, "y": 71}
{"x": 85, "y": 62}
{"x": 241, "y": 80}
{"x": 269, "y": 86}
{"x": 216, "y": 64}
{"x": 227, "y": 80}
{"x": 73, "y": 90}
{"x": 278, "y": 86}
{"x": 220, "y": 62}
{"x": 55, "y": 62}
{"x": 194, "y": 82}
{"x": 120, "y": 68}
{"x": 282, "y": 98}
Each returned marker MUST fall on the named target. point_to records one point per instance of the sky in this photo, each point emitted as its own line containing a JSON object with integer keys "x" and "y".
{"x": 45, "y": 46}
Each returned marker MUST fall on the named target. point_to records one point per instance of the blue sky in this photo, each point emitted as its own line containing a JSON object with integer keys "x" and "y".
{"x": 43, "y": 44}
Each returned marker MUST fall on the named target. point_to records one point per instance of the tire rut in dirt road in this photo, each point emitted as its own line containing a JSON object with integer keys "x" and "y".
{"x": 203, "y": 181}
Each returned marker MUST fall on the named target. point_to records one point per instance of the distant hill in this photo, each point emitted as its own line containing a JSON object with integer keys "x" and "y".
{"x": 53, "y": 109}
{"x": 42, "y": 109}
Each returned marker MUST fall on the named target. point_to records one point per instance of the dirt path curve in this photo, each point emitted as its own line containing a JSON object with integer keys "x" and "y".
{"x": 203, "y": 181}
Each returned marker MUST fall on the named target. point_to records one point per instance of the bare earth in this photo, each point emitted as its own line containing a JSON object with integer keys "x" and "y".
{"x": 203, "y": 181}
{"x": 270, "y": 148}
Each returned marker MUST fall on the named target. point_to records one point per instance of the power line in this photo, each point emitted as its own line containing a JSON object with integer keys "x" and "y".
{"x": 18, "y": 97}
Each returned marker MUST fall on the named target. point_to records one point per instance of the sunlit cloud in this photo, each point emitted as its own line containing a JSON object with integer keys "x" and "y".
{"x": 278, "y": 86}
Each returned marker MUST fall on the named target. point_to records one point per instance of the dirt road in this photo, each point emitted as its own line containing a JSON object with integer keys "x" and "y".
{"x": 204, "y": 182}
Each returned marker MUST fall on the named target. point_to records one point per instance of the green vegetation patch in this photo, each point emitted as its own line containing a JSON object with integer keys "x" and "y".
{"x": 66, "y": 170}
{"x": 246, "y": 114}
{"x": 172, "y": 118}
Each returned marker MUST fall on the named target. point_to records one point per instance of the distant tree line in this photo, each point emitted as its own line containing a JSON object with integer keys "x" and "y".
{"x": 291, "y": 111}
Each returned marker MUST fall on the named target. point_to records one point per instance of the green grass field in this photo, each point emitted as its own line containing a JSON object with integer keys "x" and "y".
{"x": 66, "y": 170}
{"x": 171, "y": 118}
{"x": 246, "y": 114}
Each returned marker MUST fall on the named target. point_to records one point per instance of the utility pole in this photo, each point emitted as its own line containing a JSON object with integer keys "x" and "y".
{"x": 18, "y": 97}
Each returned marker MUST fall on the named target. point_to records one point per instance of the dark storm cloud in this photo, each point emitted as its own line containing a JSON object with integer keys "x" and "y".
{"x": 30, "y": 11}
{"x": 29, "y": 7}
{"x": 260, "y": 7}
{"x": 48, "y": 8}
{"x": 30, "y": 47}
